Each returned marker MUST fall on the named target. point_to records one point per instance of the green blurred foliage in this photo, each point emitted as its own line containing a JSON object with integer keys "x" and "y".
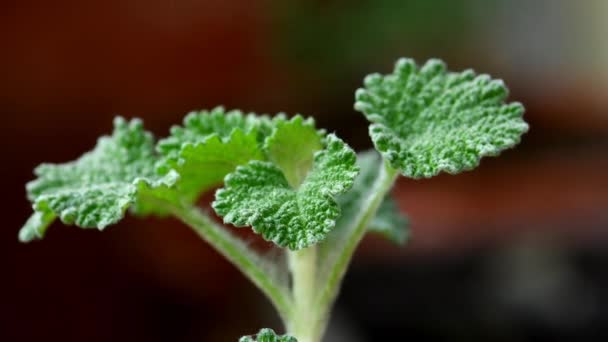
{"x": 335, "y": 37}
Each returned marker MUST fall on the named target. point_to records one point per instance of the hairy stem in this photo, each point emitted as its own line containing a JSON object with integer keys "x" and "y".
{"x": 263, "y": 273}
{"x": 344, "y": 248}
{"x": 303, "y": 267}
{"x": 305, "y": 307}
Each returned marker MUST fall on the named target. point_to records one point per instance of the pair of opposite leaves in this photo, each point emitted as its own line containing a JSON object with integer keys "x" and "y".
{"x": 286, "y": 179}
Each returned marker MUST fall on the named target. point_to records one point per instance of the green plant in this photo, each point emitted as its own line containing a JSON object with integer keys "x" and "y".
{"x": 303, "y": 189}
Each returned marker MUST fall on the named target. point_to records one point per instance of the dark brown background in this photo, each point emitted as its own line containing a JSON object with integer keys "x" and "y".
{"x": 513, "y": 251}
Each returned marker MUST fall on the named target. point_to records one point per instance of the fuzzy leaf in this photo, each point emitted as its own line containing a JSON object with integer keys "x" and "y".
{"x": 35, "y": 227}
{"x": 96, "y": 189}
{"x": 427, "y": 120}
{"x": 198, "y": 126}
{"x": 211, "y": 145}
{"x": 292, "y": 146}
{"x": 259, "y": 195}
{"x": 268, "y": 335}
{"x": 388, "y": 221}
{"x": 204, "y": 165}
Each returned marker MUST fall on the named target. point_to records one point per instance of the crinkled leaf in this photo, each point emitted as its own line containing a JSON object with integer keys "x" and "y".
{"x": 153, "y": 197}
{"x": 268, "y": 335}
{"x": 388, "y": 220}
{"x": 209, "y": 146}
{"x": 427, "y": 120}
{"x": 259, "y": 195}
{"x": 292, "y": 146}
{"x": 96, "y": 189}
{"x": 203, "y": 165}
{"x": 198, "y": 126}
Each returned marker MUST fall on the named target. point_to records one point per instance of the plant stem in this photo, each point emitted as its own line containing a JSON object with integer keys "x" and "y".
{"x": 305, "y": 309}
{"x": 263, "y": 273}
{"x": 345, "y": 247}
{"x": 303, "y": 267}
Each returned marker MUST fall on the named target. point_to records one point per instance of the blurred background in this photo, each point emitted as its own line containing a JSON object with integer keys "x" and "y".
{"x": 516, "y": 250}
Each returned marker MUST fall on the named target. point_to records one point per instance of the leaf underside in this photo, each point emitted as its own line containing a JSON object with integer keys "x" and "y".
{"x": 388, "y": 222}
{"x": 427, "y": 120}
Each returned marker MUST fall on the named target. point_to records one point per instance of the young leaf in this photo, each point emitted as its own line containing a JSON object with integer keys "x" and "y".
{"x": 211, "y": 145}
{"x": 427, "y": 120}
{"x": 96, "y": 189}
{"x": 268, "y": 335}
{"x": 388, "y": 221}
{"x": 259, "y": 195}
{"x": 292, "y": 146}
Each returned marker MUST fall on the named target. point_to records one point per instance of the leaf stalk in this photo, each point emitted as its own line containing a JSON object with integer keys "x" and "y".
{"x": 263, "y": 273}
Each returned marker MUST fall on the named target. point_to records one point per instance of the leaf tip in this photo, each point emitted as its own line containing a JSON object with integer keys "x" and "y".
{"x": 35, "y": 227}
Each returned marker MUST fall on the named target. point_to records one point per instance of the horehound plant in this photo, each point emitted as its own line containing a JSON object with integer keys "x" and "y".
{"x": 295, "y": 185}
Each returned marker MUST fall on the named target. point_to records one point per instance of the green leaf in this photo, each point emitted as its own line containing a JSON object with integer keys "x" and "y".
{"x": 268, "y": 335}
{"x": 388, "y": 221}
{"x": 204, "y": 165}
{"x": 96, "y": 189}
{"x": 211, "y": 145}
{"x": 197, "y": 126}
{"x": 428, "y": 120}
{"x": 35, "y": 227}
{"x": 292, "y": 146}
{"x": 259, "y": 195}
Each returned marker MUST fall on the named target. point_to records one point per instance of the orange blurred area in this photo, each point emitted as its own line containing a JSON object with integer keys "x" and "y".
{"x": 512, "y": 251}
